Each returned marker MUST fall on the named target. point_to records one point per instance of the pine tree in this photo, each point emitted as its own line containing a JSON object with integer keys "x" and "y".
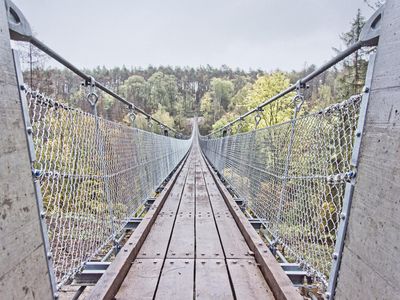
{"x": 352, "y": 77}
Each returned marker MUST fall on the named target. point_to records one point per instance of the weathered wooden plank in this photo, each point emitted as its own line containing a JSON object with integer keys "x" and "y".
{"x": 141, "y": 280}
{"x": 276, "y": 278}
{"x": 232, "y": 239}
{"x": 208, "y": 244}
{"x": 156, "y": 243}
{"x": 182, "y": 239}
{"x": 247, "y": 280}
{"x": 212, "y": 280}
{"x": 109, "y": 283}
{"x": 188, "y": 199}
{"x": 177, "y": 280}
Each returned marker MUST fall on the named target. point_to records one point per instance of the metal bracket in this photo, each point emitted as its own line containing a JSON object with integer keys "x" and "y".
{"x": 19, "y": 27}
{"x": 371, "y": 31}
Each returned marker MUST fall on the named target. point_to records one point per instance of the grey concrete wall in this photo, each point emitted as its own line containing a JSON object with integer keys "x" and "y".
{"x": 370, "y": 267}
{"x": 23, "y": 268}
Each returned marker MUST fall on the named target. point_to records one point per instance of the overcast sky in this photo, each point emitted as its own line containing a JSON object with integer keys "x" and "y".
{"x": 266, "y": 34}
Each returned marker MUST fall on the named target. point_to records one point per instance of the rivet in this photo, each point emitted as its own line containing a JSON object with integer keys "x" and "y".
{"x": 186, "y": 262}
{"x": 154, "y": 262}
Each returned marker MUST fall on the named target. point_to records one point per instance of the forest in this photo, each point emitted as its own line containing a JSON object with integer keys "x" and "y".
{"x": 216, "y": 95}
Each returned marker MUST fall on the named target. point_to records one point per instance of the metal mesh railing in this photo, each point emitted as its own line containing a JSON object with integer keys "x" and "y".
{"x": 93, "y": 175}
{"x": 293, "y": 177}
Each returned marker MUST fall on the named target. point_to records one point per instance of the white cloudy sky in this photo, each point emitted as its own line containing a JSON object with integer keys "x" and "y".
{"x": 266, "y": 34}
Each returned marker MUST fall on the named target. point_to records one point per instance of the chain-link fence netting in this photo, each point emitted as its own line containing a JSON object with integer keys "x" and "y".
{"x": 93, "y": 175}
{"x": 292, "y": 176}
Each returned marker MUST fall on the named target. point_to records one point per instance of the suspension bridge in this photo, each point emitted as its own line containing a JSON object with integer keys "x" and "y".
{"x": 303, "y": 209}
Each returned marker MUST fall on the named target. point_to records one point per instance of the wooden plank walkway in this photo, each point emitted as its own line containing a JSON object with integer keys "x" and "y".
{"x": 193, "y": 249}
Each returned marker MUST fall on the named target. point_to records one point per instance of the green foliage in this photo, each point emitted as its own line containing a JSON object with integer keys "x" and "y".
{"x": 251, "y": 95}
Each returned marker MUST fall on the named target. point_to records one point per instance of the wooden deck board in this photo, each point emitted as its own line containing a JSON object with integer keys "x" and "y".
{"x": 156, "y": 243}
{"x": 248, "y": 280}
{"x": 212, "y": 280}
{"x": 208, "y": 244}
{"x": 177, "y": 280}
{"x": 233, "y": 241}
{"x": 141, "y": 280}
{"x": 182, "y": 239}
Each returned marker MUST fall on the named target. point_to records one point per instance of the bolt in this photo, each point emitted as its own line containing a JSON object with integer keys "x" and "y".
{"x": 42, "y": 214}
{"x": 203, "y": 262}
{"x": 158, "y": 253}
{"x": 144, "y": 253}
{"x": 22, "y": 87}
{"x": 171, "y": 262}
{"x": 234, "y": 262}
{"x": 49, "y": 256}
{"x": 130, "y": 243}
{"x": 36, "y": 172}
{"x": 29, "y": 130}
{"x": 343, "y": 216}
{"x": 366, "y": 89}
{"x": 56, "y": 295}
{"x": 154, "y": 262}
{"x": 218, "y": 262}
{"x": 125, "y": 250}
{"x": 186, "y": 262}
{"x": 335, "y": 256}
{"x": 358, "y": 134}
